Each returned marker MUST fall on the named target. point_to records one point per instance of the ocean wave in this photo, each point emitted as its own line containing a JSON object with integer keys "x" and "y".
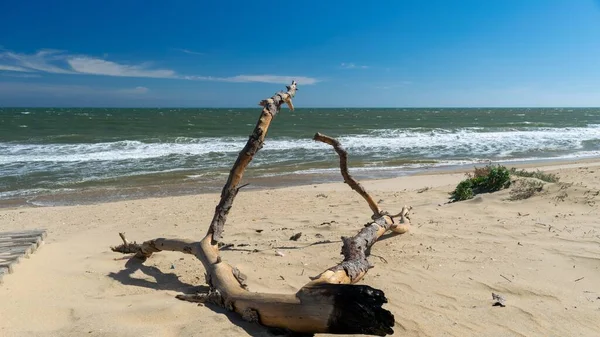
{"x": 23, "y": 193}
{"x": 437, "y": 143}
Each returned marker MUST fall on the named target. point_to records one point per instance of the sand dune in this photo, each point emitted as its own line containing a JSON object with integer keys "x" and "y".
{"x": 542, "y": 254}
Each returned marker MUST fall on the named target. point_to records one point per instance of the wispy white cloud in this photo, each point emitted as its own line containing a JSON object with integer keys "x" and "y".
{"x": 271, "y": 79}
{"x": 187, "y": 51}
{"x": 95, "y": 66}
{"x": 60, "y": 62}
{"x": 13, "y": 68}
{"x": 275, "y": 79}
{"x": 353, "y": 66}
{"x": 44, "y": 60}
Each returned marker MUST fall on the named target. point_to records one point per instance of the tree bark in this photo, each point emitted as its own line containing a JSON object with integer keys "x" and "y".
{"x": 328, "y": 303}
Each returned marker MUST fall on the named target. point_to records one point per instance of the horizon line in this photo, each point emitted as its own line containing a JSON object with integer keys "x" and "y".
{"x": 296, "y": 107}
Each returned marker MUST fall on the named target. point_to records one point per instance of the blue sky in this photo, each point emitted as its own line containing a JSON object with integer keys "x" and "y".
{"x": 343, "y": 53}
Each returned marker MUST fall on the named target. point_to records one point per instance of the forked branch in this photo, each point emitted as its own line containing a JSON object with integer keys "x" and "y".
{"x": 356, "y": 248}
{"x": 328, "y": 303}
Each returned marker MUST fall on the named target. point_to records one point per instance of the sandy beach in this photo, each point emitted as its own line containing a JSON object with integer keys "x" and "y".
{"x": 542, "y": 254}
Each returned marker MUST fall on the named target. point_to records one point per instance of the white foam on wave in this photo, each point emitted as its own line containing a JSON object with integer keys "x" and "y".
{"x": 111, "y": 151}
{"x": 30, "y": 192}
{"x": 448, "y": 143}
{"x": 399, "y": 168}
{"x": 464, "y": 143}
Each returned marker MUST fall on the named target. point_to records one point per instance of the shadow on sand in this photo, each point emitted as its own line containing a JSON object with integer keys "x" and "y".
{"x": 170, "y": 281}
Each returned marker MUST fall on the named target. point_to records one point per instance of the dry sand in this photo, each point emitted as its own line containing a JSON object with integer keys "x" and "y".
{"x": 542, "y": 254}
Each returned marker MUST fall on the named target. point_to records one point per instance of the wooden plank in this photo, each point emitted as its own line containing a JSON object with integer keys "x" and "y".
{"x": 22, "y": 250}
{"x": 23, "y": 239}
{"x": 5, "y": 255}
{"x": 8, "y": 266}
{"x": 15, "y": 258}
{"x": 17, "y": 247}
{"x": 14, "y": 246}
{"x": 7, "y": 244}
{"x": 13, "y": 251}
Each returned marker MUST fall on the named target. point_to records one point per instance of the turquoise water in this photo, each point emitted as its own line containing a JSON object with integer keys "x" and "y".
{"x": 45, "y": 150}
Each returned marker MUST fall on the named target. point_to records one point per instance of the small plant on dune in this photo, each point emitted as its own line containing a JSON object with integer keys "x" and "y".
{"x": 480, "y": 171}
{"x": 498, "y": 177}
{"x": 547, "y": 177}
{"x": 463, "y": 191}
{"x": 525, "y": 189}
{"x": 490, "y": 178}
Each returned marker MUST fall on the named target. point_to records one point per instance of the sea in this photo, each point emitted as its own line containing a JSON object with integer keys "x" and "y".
{"x": 61, "y": 156}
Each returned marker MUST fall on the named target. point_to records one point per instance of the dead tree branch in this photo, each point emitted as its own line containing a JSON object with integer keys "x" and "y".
{"x": 355, "y": 249}
{"x": 328, "y": 303}
{"x": 271, "y": 107}
{"x": 355, "y": 185}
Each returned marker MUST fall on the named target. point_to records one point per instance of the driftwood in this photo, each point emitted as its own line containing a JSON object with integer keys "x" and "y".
{"x": 329, "y": 303}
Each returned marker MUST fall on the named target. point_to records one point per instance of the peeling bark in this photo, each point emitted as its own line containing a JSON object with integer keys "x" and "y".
{"x": 254, "y": 144}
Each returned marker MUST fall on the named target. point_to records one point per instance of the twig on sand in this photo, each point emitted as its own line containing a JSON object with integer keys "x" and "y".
{"x": 500, "y": 300}
{"x": 380, "y": 257}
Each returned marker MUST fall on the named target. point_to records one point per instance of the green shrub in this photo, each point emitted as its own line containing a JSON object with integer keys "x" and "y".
{"x": 463, "y": 191}
{"x": 497, "y": 179}
{"x": 483, "y": 180}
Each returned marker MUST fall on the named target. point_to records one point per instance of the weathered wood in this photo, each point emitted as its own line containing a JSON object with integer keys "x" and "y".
{"x": 8, "y": 265}
{"x": 355, "y": 185}
{"x": 328, "y": 303}
{"x": 11, "y": 245}
{"x": 11, "y": 254}
{"x": 18, "y": 246}
{"x": 20, "y": 239}
{"x": 20, "y": 242}
{"x": 253, "y": 145}
{"x": 355, "y": 250}
{"x": 16, "y": 251}
{"x": 14, "y": 246}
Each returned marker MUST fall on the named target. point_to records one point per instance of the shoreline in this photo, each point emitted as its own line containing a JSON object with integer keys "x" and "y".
{"x": 93, "y": 196}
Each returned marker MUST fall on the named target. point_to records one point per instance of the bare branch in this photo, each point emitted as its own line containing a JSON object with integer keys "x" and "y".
{"x": 255, "y": 142}
{"x": 355, "y": 185}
